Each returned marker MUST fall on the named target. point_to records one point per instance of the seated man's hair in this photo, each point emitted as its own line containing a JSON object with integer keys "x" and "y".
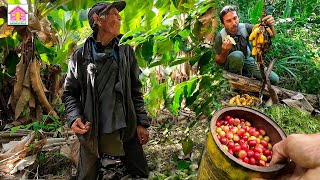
{"x": 225, "y": 10}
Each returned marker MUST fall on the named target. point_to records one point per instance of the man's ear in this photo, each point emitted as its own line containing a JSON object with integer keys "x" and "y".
{"x": 96, "y": 19}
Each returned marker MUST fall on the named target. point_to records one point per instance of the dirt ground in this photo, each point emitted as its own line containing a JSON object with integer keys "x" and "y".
{"x": 168, "y": 134}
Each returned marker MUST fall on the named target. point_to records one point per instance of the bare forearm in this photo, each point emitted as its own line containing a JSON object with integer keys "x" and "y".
{"x": 221, "y": 58}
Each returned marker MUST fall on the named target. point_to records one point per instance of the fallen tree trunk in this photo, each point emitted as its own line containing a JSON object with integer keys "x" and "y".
{"x": 246, "y": 84}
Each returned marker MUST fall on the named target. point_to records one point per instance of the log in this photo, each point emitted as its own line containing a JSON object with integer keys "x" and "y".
{"x": 246, "y": 84}
{"x": 22, "y": 132}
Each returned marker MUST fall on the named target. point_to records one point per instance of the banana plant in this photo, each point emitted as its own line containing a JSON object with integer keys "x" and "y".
{"x": 43, "y": 46}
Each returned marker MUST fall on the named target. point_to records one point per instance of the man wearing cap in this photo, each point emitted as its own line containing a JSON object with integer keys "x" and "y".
{"x": 102, "y": 97}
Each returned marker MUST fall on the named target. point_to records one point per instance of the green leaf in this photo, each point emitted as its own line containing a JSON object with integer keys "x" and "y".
{"x": 205, "y": 58}
{"x": 287, "y": 11}
{"x": 61, "y": 57}
{"x": 194, "y": 60}
{"x": 147, "y": 50}
{"x": 182, "y": 164}
{"x": 15, "y": 129}
{"x": 203, "y": 9}
{"x": 185, "y": 33}
{"x": 44, "y": 58}
{"x": 61, "y": 108}
{"x": 188, "y": 6}
{"x": 173, "y": 11}
{"x": 177, "y": 99}
{"x": 187, "y": 146}
{"x": 176, "y": 46}
{"x": 83, "y": 15}
{"x": 190, "y": 100}
{"x": 36, "y": 126}
{"x": 191, "y": 85}
{"x": 142, "y": 63}
{"x": 137, "y": 40}
{"x": 163, "y": 47}
{"x": 256, "y": 14}
{"x": 182, "y": 44}
{"x": 155, "y": 98}
{"x": 133, "y": 33}
{"x": 165, "y": 59}
{"x": 1, "y": 21}
{"x": 14, "y": 2}
{"x": 179, "y": 61}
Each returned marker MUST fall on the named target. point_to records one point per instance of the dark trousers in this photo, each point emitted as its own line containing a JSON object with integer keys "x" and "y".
{"x": 134, "y": 161}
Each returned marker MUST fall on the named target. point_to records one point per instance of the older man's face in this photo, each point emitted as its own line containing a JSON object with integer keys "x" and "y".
{"x": 111, "y": 22}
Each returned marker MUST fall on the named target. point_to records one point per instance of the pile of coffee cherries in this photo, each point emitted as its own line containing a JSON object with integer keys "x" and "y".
{"x": 244, "y": 141}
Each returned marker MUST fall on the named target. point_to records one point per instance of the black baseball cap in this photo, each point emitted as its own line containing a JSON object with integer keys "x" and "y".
{"x": 102, "y": 7}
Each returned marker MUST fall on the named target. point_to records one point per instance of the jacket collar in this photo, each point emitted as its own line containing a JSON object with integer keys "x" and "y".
{"x": 87, "y": 47}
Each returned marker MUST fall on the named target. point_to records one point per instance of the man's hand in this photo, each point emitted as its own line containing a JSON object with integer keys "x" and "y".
{"x": 80, "y": 128}
{"x": 269, "y": 20}
{"x": 143, "y": 134}
{"x": 303, "y": 150}
{"x": 226, "y": 46}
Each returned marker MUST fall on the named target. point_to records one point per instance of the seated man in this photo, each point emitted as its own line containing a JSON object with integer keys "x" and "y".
{"x": 235, "y": 56}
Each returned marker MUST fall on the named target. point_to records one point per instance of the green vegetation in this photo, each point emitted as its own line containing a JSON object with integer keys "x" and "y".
{"x": 292, "y": 120}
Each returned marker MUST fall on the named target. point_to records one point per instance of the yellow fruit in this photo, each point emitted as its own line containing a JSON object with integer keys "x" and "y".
{"x": 260, "y": 39}
{"x": 254, "y": 34}
{"x": 255, "y": 98}
{"x": 49, "y": 44}
{"x": 247, "y": 96}
{"x": 254, "y": 42}
{"x": 242, "y": 100}
{"x": 238, "y": 102}
{"x": 254, "y": 51}
{"x": 269, "y": 31}
{"x": 231, "y": 101}
{"x": 255, "y": 26}
{"x": 257, "y": 31}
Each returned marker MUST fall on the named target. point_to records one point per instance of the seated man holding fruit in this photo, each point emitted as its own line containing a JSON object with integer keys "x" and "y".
{"x": 232, "y": 45}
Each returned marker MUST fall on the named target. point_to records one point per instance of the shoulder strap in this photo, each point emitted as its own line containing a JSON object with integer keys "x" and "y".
{"x": 223, "y": 34}
{"x": 243, "y": 30}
